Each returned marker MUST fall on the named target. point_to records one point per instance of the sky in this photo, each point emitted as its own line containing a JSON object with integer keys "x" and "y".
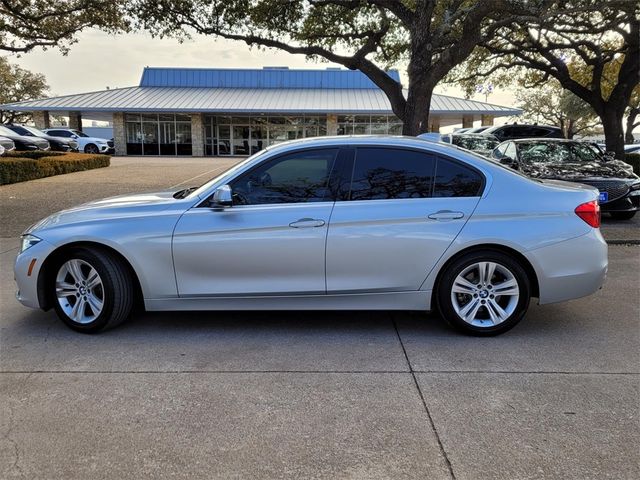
{"x": 99, "y": 60}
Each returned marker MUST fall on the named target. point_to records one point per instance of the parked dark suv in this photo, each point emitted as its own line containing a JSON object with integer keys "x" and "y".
{"x": 515, "y": 132}
{"x": 574, "y": 161}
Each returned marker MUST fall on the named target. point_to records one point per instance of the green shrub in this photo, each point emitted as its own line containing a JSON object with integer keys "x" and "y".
{"x": 633, "y": 159}
{"x": 20, "y": 166}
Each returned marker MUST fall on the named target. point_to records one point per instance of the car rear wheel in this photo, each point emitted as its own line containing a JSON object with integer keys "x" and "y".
{"x": 93, "y": 290}
{"x": 623, "y": 215}
{"x": 91, "y": 148}
{"x": 483, "y": 293}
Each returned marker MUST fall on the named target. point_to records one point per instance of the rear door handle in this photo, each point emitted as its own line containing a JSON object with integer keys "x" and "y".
{"x": 307, "y": 223}
{"x": 446, "y": 215}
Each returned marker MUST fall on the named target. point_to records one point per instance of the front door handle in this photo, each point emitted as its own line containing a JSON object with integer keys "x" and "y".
{"x": 446, "y": 215}
{"x": 307, "y": 223}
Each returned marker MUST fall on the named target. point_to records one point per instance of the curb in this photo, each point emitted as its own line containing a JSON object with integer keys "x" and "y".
{"x": 623, "y": 242}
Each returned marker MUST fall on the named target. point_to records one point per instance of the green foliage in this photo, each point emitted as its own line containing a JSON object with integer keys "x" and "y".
{"x": 633, "y": 159}
{"x": 18, "y": 84}
{"x": 429, "y": 37}
{"x": 553, "y": 105}
{"x": 23, "y": 166}
{"x": 27, "y": 24}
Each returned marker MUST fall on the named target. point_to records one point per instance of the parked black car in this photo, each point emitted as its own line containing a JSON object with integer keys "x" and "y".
{"x": 57, "y": 144}
{"x": 7, "y": 144}
{"x": 515, "y": 131}
{"x": 24, "y": 143}
{"x": 476, "y": 142}
{"x": 579, "y": 162}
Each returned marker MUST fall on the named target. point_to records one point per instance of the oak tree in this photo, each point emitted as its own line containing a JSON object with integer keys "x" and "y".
{"x": 27, "y": 24}
{"x": 430, "y": 37}
{"x": 593, "y": 52}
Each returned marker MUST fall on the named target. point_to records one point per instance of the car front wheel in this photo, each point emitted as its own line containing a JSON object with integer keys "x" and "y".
{"x": 484, "y": 293}
{"x": 91, "y": 148}
{"x": 93, "y": 290}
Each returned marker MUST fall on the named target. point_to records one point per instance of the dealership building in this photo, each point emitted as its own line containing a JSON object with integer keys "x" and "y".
{"x": 213, "y": 111}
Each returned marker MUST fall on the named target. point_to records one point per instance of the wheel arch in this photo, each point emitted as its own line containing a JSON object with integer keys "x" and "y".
{"x": 521, "y": 259}
{"x": 47, "y": 272}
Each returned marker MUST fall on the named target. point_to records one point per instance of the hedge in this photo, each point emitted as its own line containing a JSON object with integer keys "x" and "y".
{"x": 22, "y": 166}
{"x": 633, "y": 159}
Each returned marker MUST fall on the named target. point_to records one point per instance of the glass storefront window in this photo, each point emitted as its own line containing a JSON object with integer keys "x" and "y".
{"x": 170, "y": 134}
{"x": 158, "y": 134}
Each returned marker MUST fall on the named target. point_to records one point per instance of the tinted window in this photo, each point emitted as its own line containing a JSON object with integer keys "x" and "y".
{"x": 456, "y": 180}
{"x": 59, "y": 133}
{"x": 293, "y": 178}
{"x": 386, "y": 173}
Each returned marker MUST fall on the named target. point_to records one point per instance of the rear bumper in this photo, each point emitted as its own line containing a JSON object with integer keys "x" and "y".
{"x": 571, "y": 269}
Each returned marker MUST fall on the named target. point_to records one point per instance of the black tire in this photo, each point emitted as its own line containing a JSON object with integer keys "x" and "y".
{"x": 117, "y": 289}
{"x": 445, "y": 286}
{"x": 91, "y": 148}
{"x": 623, "y": 215}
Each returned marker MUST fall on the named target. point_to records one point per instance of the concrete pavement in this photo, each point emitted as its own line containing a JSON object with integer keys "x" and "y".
{"x": 312, "y": 395}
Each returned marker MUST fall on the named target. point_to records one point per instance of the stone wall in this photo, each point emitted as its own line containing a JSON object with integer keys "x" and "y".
{"x": 197, "y": 135}
{"x": 119, "y": 133}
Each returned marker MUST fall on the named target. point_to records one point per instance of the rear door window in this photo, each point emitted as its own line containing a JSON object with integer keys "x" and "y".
{"x": 453, "y": 179}
{"x": 391, "y": 173}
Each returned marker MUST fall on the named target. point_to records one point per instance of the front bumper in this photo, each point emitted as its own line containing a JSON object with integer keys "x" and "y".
{"x": 27, "y": 293}
{"x": 570, "y": 269}
{"x": 628, "y": 203}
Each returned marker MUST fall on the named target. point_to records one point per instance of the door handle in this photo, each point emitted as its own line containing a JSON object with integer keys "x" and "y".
{"x": 307, "y": 223}
{"x": 446, "y": 215}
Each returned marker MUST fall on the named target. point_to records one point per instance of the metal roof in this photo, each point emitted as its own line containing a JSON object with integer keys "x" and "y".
{"x": 268, "y": 77}
{"x": 247, "y": 100}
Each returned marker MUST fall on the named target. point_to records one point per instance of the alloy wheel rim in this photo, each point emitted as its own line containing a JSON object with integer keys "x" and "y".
{"x": 79, "y": 291}
{"x": 485, "y": 294}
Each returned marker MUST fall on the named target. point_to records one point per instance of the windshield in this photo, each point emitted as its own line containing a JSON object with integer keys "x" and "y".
{"x": 79, "y": 133}
{"x": 558, "y": 152}
{"x": 480, "y": 142}
{"x": 229, "y": 171}
{"x": 6, "y": 131}
{"x": 33, "y": 131}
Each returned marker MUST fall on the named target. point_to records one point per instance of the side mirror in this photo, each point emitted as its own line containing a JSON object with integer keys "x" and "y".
{"x": 509, "y": 162}
{"x": 222, "y": 197}
{"x": 74, "y": 136}
{"x": 609, "y": 156}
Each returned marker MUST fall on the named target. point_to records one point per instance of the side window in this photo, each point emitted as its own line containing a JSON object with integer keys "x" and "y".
{"x": 511, "y": 151}
{"x": 388, "y": 173}
{"x": 455, "y": 180}
{"x": 498, "y": 152}
{"x": 293, "y": 178}
{"x": 59, "y": 133}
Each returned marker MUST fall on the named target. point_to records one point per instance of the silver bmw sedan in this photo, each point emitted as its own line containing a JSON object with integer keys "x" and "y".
{"x": 367, "y": 223}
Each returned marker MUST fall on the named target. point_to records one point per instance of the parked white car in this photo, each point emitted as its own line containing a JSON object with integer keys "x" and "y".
{"x": 86, "y": 143}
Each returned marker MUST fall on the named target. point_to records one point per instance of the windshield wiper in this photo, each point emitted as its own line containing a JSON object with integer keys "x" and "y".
{"x": 185, "y": 192}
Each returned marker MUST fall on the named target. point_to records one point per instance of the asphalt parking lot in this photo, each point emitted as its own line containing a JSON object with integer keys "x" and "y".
{"x": 312, "y": 395}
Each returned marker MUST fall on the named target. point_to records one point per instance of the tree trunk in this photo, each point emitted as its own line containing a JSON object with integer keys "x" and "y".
{"x": 613, "y": 131}
{"x": 633, "y": 114}
{"x": 416, "y": 112}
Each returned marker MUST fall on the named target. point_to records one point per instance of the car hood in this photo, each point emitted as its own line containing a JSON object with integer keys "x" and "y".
{"x": 123, "y": 206}
{"x": 578, "y": 170}
{"x": 41, "y": 142}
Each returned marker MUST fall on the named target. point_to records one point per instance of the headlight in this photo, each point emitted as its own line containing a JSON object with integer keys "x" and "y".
{"x": 29, "y": 241}
{"x": 635, "y": 186}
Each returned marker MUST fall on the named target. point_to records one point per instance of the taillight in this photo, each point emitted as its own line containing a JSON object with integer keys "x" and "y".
{"x": 590, "y": 213}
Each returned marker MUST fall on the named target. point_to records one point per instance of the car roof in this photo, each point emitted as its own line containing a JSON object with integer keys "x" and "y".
{"x": 549, "y": 140}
